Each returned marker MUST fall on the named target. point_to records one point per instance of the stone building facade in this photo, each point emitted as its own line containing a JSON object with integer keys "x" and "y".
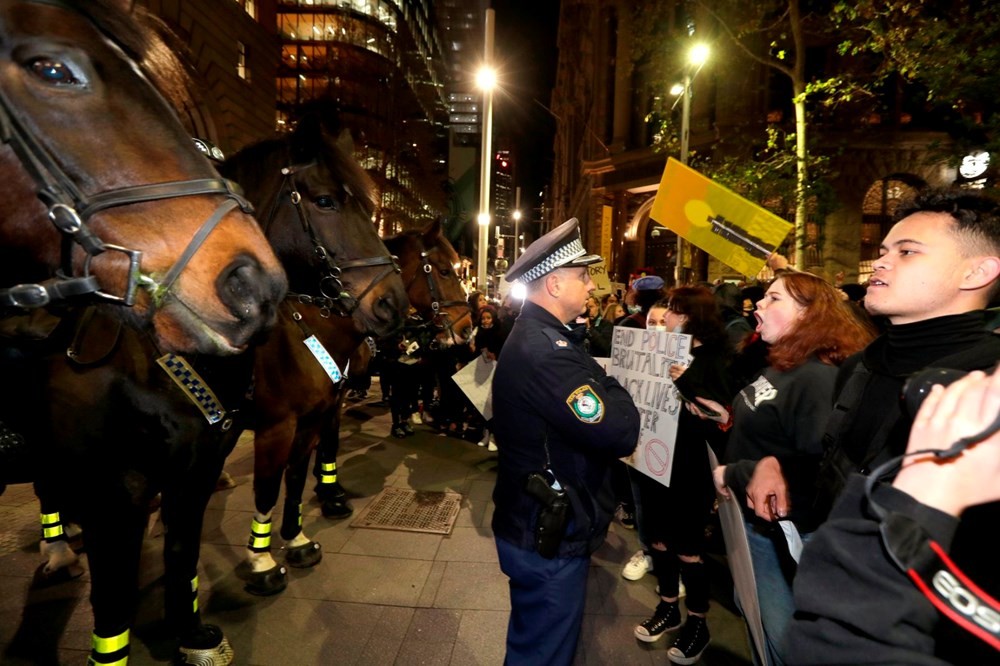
{"x": 608, "y": 160}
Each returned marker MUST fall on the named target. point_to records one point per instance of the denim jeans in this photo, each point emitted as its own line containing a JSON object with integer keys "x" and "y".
{"x": 774, "y": 593}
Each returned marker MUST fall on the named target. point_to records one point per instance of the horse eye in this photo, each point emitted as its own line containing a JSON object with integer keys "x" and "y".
{"x": 54, "y": 72}
{"x": 326, "y": 203}
{"x": 445, "y": 272}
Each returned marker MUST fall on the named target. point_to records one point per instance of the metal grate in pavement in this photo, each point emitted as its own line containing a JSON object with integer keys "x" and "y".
{"x": 411, "y": 511}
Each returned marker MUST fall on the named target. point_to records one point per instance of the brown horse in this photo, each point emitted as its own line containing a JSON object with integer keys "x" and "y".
{"x": 115, "y": 420}
{"x": 297, "y": 405}
{"x": 105, "y": 195}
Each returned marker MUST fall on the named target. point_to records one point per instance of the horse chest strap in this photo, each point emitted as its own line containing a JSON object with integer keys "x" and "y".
{"x": 323, "y": 357}
{"x": 193, "y": 386}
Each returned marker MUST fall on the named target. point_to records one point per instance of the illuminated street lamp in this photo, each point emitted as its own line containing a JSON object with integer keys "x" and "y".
{"x": 517, "y": 221}
{"x": 486, "y": 79}
{"x": 697, "y": 57}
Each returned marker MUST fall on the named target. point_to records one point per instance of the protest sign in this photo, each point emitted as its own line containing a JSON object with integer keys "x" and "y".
{"x": 737, "y": 232}
{"x": 640, "y": 361}
{"x": 599, "y": 274}
{"x": 476, "y": 381}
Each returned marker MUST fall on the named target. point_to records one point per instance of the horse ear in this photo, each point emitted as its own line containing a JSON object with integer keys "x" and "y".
{"x": 432, "y": 232}
{"x": 345, "y": 142}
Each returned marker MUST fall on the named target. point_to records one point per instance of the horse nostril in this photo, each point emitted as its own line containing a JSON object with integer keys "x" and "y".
{"x": 240, "y": 288}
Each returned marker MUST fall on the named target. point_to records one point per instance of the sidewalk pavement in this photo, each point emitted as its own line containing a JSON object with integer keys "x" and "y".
{"x": 377, "y": 597}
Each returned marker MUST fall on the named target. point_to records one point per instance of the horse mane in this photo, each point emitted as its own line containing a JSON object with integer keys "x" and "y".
{"x": 149, "y": 42}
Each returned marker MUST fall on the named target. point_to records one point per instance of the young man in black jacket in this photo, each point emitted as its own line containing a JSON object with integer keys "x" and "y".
{"x": 939, "y": 269}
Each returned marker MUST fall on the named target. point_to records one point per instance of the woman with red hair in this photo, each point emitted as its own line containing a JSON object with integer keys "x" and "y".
{"x": 781, "y": 415}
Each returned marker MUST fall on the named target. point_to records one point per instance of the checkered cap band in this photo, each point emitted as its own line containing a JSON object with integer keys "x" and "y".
{"x": 563, "y": 255}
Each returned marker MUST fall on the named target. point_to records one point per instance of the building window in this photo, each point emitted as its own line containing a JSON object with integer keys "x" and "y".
{"x": 249, "y": 6}
{"x": 241, "y": 61}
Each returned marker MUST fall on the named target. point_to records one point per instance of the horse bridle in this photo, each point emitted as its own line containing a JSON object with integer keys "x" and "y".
{"x": 69, "y": 209}
{"x": 334, "y": 296}
{"x": 437, "y": 299}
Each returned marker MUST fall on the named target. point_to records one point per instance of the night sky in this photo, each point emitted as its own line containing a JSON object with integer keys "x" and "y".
{"x": 525, "y": 53}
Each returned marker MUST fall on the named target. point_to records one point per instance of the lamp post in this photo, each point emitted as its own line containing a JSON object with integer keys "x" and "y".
{"x": 517, "y": 221}
{"x": 486, "y": 79}
{"x": 696, "y": 59}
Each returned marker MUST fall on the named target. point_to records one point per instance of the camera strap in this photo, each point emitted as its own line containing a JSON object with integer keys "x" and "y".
{"x": 926, "y": 563}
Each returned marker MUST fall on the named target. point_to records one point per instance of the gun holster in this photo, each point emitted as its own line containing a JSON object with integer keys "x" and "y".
{"x": 553, "y": 512}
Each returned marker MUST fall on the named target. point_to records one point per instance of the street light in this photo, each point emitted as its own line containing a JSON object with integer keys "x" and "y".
{"x": 486, "y": 79}
{"x": 517, "y": 222}
{"x": 697, "y": 56}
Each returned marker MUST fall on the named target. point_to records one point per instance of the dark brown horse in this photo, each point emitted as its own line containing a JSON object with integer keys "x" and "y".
{"x": 122, "y": 421}
{"x": 102, "y": 184}
{"x": 297, "y": 405}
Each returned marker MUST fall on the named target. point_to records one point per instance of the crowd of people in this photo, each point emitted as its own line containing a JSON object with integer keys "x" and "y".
{"x": 796, "y": 389}
{"x": 794, "y": 386}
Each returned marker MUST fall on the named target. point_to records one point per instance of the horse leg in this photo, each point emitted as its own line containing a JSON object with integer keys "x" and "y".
{"x": 333, "y": 499}
{"x": 61, "y": 562}
{"x": 271, "y": 446}
{"x": 114, "y": 532}
{"x": 301, "y": 552}
{"x": 185, "y": 496}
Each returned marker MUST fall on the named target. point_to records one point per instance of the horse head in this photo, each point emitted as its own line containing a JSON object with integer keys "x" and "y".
{"x": 316, "y": 206}
{"x": 430, "y": 272}
{"x": 105, "y": 189}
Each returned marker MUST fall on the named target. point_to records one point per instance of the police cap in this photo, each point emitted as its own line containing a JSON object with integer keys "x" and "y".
{"x": 560, "y": 248}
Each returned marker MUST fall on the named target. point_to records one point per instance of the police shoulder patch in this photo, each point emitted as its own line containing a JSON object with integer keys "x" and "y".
{"x": 586, "y": 405}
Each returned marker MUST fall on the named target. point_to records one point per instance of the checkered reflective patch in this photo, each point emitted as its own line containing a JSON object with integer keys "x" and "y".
{"x": 326, "y": 361}
{"x": 193, "y": 385}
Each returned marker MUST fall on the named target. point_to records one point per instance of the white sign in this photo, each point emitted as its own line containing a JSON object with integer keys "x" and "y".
{"x": 476, "y": 381}
{"x": 640, "y": 361}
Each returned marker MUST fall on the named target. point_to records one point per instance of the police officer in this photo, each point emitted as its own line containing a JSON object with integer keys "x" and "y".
{"x": 560, "y": 422}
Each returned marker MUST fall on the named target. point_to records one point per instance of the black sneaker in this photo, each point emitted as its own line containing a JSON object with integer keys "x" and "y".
{"x": 666, "y": 618}
{"x": 398, "y": 431}
{"x": 691, "y": 641}
{"x": 407, "y": 428}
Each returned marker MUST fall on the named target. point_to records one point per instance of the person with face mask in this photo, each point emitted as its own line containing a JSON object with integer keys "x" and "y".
{"x": 674, "y": 517}
{"x": 782, "y": 414}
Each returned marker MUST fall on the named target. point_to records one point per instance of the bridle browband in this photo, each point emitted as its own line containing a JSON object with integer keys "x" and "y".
{"x": 69, "y": 210}
{"x": 334, "y": 297}
{"x": 439, "y": 319}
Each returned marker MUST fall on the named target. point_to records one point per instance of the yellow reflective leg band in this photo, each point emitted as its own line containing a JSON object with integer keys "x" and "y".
{"x": 260, "y": 535}
{"x": 328, "y": 472}
{"x": 300, "y": 514}
{"x": 194, "y": 594}
{"x": 51, "y": 525}
{"x": 102, "y": 647}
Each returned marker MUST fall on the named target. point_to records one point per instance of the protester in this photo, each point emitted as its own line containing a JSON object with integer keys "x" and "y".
{"x": 730, "y": 301}
{"x": 857, "y": 605}
{"x": 674, "y": 517}
{"x": 599, "y": 330}
{"x": 780, "y": 417}
{"x": 488, "y": 342}
{"x": 645, "y": 291}
{"x": 938, "y": 270}
{"x": 560, "y": 421}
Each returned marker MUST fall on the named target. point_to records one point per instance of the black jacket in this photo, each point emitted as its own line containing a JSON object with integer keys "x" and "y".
{"x": 548, "y": 392}
{"x": 852, "y": 604}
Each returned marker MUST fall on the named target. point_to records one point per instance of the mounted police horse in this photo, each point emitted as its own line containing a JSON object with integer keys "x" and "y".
{"x": 104, "y": 194}
{"x": 297, "y": 403}
{"x": 123, "y": 419}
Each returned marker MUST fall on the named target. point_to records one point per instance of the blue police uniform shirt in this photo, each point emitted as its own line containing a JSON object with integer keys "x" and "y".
{"x": 548, "y": 390}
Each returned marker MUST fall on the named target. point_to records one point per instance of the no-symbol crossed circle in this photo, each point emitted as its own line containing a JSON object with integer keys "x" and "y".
{"x": 657, "y": 457}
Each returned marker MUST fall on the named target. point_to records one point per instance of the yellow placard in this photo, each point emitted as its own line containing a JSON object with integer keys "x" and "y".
{"x": 735, "y": 231}
{"x": 599, "y": 274}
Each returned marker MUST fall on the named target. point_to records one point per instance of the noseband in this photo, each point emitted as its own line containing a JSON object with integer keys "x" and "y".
{"x": 334, "y": 297}
{"x": 70, "y": 210}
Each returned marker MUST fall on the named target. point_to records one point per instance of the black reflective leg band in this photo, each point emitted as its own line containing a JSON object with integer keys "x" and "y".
{"x": 260, "y": 536}
{"x": 52, "y": 527}
{"x": 110, "y": 651}
{"x": 957, "y": 597}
